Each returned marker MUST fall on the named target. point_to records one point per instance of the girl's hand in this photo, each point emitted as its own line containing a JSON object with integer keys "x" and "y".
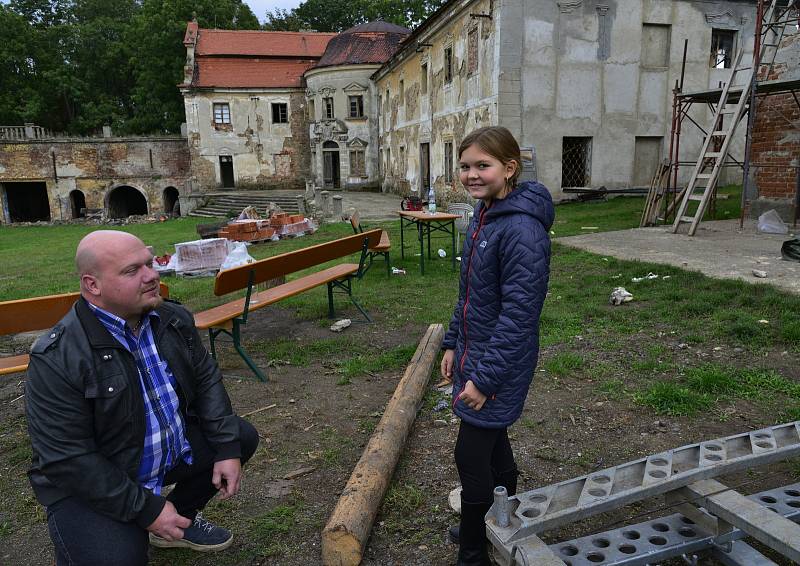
{"x": 447, "y": 364}
{"x": 472, "y": 396}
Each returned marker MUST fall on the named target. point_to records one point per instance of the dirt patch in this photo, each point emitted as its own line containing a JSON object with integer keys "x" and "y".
{"x": 320, "y": 422}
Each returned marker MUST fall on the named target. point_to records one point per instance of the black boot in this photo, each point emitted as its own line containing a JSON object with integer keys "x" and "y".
{"x": 508, "y": 479}
{"x": 472, "y": 549}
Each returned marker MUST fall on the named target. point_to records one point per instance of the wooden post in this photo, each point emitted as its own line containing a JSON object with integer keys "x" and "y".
{"x": 348, "y": 528}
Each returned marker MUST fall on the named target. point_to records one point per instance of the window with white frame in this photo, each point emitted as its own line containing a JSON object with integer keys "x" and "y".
{"x": 222, "y": 113}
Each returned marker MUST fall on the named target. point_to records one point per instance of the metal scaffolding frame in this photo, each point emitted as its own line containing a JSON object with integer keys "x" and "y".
{"x": 788, "y": 13}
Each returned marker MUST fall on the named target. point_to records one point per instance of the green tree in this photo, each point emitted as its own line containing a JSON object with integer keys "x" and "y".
{"x": 158, "y": 55}
{"x": 338, "y": 15}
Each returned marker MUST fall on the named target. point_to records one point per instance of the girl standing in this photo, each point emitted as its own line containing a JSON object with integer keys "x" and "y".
{"x": 492, "y": 344}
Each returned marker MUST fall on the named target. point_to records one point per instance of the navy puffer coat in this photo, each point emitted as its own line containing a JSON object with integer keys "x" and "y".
{"x": 494, "y": 331}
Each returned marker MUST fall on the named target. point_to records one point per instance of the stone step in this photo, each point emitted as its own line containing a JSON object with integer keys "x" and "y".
{"x": 222, "y": 205}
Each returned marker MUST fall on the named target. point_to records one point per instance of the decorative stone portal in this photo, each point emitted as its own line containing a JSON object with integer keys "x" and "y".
{"x": 26, "y": 202}
{"x": 126, "y": 201}
{"x": 171, "y": 202}
{"x": 77, "y": 204}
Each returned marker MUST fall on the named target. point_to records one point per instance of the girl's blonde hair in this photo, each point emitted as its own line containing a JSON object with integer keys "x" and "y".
{"x": 498, "y": 142}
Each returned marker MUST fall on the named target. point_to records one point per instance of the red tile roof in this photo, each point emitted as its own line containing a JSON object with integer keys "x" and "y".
{"x": 250, "y": 72}
{"x": 254, "y": 43}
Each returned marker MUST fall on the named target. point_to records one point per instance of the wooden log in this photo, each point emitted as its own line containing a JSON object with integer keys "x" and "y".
{"x": 348, "y": 528}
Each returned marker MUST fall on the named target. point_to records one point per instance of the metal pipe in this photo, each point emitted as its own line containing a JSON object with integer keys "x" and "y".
{"x": 501, "y": 514}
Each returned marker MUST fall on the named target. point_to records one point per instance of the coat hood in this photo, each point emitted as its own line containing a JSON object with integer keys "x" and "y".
{"x": 528, "y": 198}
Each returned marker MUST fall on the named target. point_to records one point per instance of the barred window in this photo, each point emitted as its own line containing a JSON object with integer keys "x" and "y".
{"x": 222, "y": 113}
{"x": 576, "y": 161}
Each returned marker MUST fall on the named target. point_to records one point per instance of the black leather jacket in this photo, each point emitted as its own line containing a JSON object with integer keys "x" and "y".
{"x": 86, "y": 414}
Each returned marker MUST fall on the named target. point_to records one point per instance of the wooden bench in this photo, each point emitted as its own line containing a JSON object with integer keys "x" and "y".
{"x": 30, "y": 315}
{"x": 230, "y": 317}
{"x": 382, "y": 248}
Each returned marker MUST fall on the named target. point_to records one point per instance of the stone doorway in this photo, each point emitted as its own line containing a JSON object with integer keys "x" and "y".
{"x": 330, "y": 162}
{"x": 226, "y": 171}
{"x": 126, "y": 201}
{"x": 27, "y": 202}
{"x": 171, "y": 203}
{"x": 77, "y": 204}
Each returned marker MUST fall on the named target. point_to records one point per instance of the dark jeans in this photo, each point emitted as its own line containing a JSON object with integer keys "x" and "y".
{"x": 82, "y": 536}
{"x": 481, "y": 455}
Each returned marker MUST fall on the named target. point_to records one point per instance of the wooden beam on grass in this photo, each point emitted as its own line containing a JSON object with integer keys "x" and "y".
{"x": 348, "y": 528}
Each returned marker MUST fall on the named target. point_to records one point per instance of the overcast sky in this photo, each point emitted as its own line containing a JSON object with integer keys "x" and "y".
{"x": 260, "y": 7}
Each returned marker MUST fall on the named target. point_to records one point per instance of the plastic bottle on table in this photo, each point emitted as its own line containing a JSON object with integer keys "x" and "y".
{"x": 431, "y": 201}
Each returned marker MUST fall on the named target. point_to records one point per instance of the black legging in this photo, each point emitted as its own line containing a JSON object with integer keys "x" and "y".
{"x": 481, "y": 454}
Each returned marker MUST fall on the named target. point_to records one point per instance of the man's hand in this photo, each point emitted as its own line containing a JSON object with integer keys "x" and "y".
{"x": 447, "y": 364}
{"x": 472, "y": 396}
{"x": 169, "y": 525}
{"x": 226, "y": 477}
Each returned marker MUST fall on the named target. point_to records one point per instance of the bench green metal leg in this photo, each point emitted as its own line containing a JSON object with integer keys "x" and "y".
{"x": 239, "y": 348}
{"x": 235, "y": 335}
{"x": 331, "y": 312}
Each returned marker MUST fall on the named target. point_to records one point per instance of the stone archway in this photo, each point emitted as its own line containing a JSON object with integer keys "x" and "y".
{"x": 171, "y": 203}
{"x": 77, "y": 204}
{"x": 330, "y": 164}
{"x": 124, "y": 201}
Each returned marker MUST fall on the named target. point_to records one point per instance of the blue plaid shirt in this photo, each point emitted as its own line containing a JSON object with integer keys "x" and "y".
{"x": 165, "y": 441}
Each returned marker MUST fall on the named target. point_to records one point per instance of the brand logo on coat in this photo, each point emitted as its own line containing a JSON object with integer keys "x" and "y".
{"x": 483, "y": 244}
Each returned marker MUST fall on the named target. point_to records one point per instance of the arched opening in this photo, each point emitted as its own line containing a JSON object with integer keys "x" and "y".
{"x": 330, "y": 161}
{"x": 77, "y": 204}
{"x": 171, "y": 203}
{"x": 126, "y": 201}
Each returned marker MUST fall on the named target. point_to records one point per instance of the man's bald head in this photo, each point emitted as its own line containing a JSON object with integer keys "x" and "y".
{"x": 97, "y": 246}
{"x": 116, "y": 272}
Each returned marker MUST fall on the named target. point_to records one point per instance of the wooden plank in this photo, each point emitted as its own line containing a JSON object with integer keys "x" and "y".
{"x": 217, "y": 316}
{"x": 237, "y": 278}
{"x": 40, "y": 313}
{"x": 758, "y": 521}
{"x": 13, "y": 364}
{"x": 348, "y": 528}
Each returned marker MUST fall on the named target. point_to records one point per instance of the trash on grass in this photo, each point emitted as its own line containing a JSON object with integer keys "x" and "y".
{"x": 340, "y": 325}
{"x": 650, "y": 275}
{"x": 771, "y": 223}
{"x": 620, "y": 295}
{"x": 442, "y": 253}
{"x": 398, "y": 271}
{"x": 441, "y": 405}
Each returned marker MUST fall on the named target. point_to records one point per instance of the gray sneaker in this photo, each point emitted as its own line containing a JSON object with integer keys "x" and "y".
{"x": 201, "y": 535}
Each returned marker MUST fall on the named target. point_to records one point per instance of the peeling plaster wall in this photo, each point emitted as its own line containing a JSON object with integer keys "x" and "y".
{"x": 583, "y": 73}
{"x": 340, "y": 82}
{"x": 445, "y": 112}
{"x": 266, "y": 155}
{"x": 97, "y": 166}
{"x": 551, "y": 69}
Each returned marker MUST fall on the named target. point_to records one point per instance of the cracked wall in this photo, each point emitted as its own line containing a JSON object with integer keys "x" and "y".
{"x": 95, "y": 167}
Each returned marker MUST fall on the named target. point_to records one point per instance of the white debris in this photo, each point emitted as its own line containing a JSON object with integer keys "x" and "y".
{"x": 763, "y": 321}
{"x": 340, "y": 325}
{"x": 455, "y": 500}
{"x": 620, "y": 295}
{"x": 398, "y": 271}
{"x": 650, "y": 275}
{"x": 760, "y": 274}
{"x": 442, "y": 253}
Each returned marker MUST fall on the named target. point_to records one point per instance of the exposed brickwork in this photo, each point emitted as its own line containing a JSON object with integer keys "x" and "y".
{"x": 96, "y": 167}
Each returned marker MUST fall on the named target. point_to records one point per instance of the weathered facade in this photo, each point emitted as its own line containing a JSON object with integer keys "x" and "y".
{"x": 586, "y": 83}
{"x": 55, "y": 178}
{"x": 343, "y": 106}
{"x": 246, "y": 116}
